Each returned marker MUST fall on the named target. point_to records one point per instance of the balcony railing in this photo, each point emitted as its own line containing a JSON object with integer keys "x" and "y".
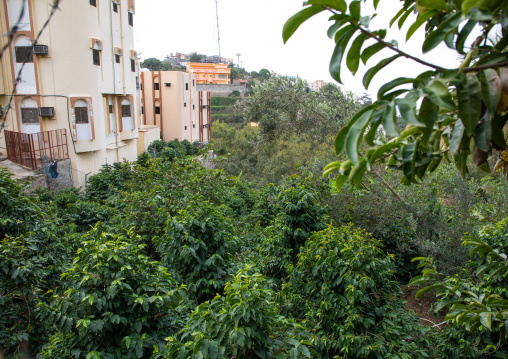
{"x": 35, "y": 150}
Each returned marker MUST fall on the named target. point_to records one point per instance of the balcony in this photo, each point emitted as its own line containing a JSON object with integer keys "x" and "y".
{"x": 36, "y": 150}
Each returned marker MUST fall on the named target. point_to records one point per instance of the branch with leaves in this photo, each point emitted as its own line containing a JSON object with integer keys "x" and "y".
{"x": 450, "y": 114}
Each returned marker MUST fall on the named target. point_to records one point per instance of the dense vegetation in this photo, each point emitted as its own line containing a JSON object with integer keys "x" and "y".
{"x": 201, "y": 264}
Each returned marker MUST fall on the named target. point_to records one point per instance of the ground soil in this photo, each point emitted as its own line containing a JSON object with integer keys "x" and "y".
{"x": 422, "y": 305}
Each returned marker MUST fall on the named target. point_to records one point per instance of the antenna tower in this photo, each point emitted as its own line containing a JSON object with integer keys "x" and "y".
{"x": 238, "y": 55}
{"x": 217, "y": 16}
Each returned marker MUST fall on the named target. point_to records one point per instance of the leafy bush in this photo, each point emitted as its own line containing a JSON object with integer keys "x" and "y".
{"x": 219, "y": 108}
{"x": 86, "y": 214}
{"x": 116, "y": 302}
{"x": 168, "y": 154}
{"x": 156, "y": 147}
{"x": 299, "y": 215}
{"x": 143, "y": 158}
{"x": 110, "y": 179}
{"x": 342, "y": 287}
{"x": 243, "y": 323}
{"x": 223, "y": 101}
{"x": 478, "y": 302}
{"x": 197, "y": 245}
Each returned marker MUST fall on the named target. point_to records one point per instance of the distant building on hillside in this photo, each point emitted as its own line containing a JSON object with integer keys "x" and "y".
{"x": 215, "y": 74}
{"x": 170, "y": 101}
{"x": 317, "y": 85}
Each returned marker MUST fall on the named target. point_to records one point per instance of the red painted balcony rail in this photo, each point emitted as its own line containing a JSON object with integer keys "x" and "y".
{"x": 35, "y": 150}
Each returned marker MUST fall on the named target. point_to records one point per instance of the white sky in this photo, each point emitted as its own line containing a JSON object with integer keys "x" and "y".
{"x": 254, "y": 29}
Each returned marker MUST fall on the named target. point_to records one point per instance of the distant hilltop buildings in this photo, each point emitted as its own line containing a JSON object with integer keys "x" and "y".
{"x": 178, "y": 59}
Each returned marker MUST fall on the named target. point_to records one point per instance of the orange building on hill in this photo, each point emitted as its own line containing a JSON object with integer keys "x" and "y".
{"x": 215, "y": 74}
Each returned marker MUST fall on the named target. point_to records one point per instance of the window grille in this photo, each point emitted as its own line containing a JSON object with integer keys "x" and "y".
{"x": 133, "y": 65}
{"x": 131, "y": 19}
{"x": 117, "y": 59}
{"x": 115, "y": 7}
{"x": 156, "y": 86}
{"x": 81, "y": 114}
{"x": 157, "y": 110}
{"x": 126, "y": 110}
{"x": 96, "y": 57}
{"x": 30, "y": 115}
{"x": 24, "y": 54}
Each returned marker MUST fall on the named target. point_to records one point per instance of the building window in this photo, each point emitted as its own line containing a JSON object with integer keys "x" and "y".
{"x": 142, "y": 110}
{"x": 117, "y": 59}
{"x": 96, "y": 57}
{"x": 24, "y": 54}
{"x": 223, "y": 76}
{"x": 93, "y": 3}
{"x": 186, "y": 128}
{"x": 157, "y": 110}
{"x": 193, "y": 107}
{"x": 115, "y": 7}
{"x": 81, "y": 115}
{"x": 156, "y": 86}
{"x": 193, "y": 83}
{"x": 126, "y": 110}
{"x": 185, "y": 104}
{"x": 131, "y": 19}
{"x": 193, "y": 126}
{"x": 141, "y": 86}
{"x": 110, "y": 109}
{"x": 127, "y": 120}
{"x": 186, "y": 86}
{"x": 30, "y": 116}
{"x": 133, "y": 65}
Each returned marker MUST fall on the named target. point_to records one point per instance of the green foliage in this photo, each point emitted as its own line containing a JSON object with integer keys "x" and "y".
{"x": 342, "y": 287}
{"x": 197, "y": 245}
{"x": 299, "y": 215}
{"x": 116, "y": 301}
{"x": 477, "y": 302}
{"x": 35, "y": 247}
{"x": 110, "y": 179}
{"x": 242, "y": 323}
{"x": 168, "y": 154}
{"x": 156, "y": 147}
{"x": 143, "y": 158}
{"x": 223, "y": 101}
{"x": 450, "y": 114}
{"x": 235, "y": 93}
{"x": 154, "y": 64}
{"x": 86, "y": 214}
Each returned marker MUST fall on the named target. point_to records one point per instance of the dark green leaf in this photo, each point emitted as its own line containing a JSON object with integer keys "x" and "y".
{"x": 470, "y": 101}
{"x": 332, "y": 4}
{"x": 463, "y": 35}
{"x": 438, "y": 92}
{"x": 478, "y": 14}
{"x": 353, "y": 56}
{"x": 427, "y": 116}
{"x": 369, "y": 75}
{"x": 368, "y": 52}
{"x": 408, "y": 157}
{"x": 498, "y": 123}
{"x": 491, "y": 88}
{"x": 299, "y": 18}
{"x": 401, "y": 11}
{"x": 407, "y": 109}
{"x": 403, "y": 18}
{"x": 419, "y": 22}
{"x": 394, "y": 83}
{"x": 457, "y": 133}
{"x": 438, "y": 35}
{"x": 338, "y": 53}
{"x": 483, "y": 133}
{"x": 356, "y": 132}
{"x": 389, "y": 118}
{"x": 432, "y": 4}
{"x": 354, "y": 9}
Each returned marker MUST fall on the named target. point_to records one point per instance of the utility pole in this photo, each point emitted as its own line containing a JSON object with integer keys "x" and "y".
{"x": 217, "y": 16}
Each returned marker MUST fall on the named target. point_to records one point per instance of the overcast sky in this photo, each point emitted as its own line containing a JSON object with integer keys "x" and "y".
{"x": 254, "y": 29}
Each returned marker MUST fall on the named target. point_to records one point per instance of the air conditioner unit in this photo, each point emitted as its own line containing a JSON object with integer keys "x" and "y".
{"x": 47, "y": 111}
{"x": 167, "y": 84}
{"x": 40, "y": 49}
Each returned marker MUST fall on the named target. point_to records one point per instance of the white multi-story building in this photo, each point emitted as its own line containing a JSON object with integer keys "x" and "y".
{"x": 78, "y": 94}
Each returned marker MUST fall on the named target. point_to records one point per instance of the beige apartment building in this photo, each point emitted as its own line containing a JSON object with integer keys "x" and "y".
{"x": 78, "y": 95}
{"x": 170, "y": 101}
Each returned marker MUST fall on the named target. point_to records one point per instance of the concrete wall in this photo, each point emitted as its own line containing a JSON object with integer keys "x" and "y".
{"x": 222, "y": 90}
{"x": 147, "y": 134}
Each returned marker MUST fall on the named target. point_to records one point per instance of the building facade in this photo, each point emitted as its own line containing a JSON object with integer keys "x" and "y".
{"x": 79, "y": 83}
{"x": 317, "y": 85}
{"x": 206, "y": 73}
{"x": 170, "y": 101}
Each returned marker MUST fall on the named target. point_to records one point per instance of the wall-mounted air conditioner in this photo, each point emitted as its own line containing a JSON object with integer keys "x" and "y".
{"x": 167, "y": 84}
{"x": 46, "y": 111}
{"x": 40, "y": 49}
